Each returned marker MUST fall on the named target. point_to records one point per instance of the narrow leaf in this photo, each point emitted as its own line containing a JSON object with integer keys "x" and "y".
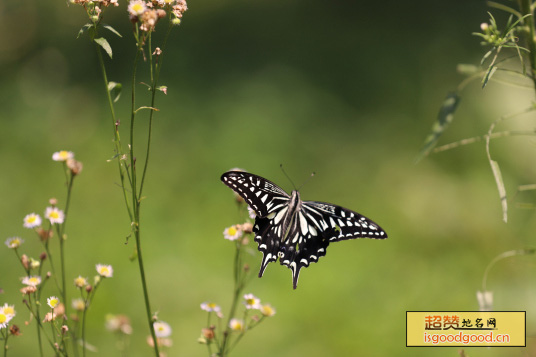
{"x": 489, "y": 74}
{"x": 146, "y": 107}
{"x": 101, "y": 41}
{"x": 110, "y": 28}
{"x": 500, "y": 187}
{"x": 486, "y": 55}
{"x": 504, "y": 8}
{"x": 115, "y": 90}
{"x": 83, "y": 29}
{"x": 444, "y": 118}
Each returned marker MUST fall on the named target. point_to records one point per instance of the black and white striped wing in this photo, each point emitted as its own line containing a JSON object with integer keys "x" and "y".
{"x": 318, "y": 224}
{"x": 270, "y": 204}
{"x": 262, "y": 195}
{"x": 339, "y": 223}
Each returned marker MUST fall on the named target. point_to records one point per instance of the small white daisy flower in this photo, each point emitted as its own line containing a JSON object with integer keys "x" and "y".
{"x": 236, "y": 324}
{"x": 9, "y": 310}
{"x": 4, "y": 318}
{"x": 80, "y": 282}
{"x": 14, "y": 242}
{"x": 252, "y": 302}
{"x": 232, "y": 233}
{"x": 53, "y": 301}
{"x": 105, "y": 271}
{"x": 54, "y": 215}
{"x": 267, "y": 310}
{"x": 78, "y": 304}
{"x": 210, "y": 306}
{"x": 136, "y": 7}
{"x": 32, "y": 220}
{"x": 162, "y": 329}
{"x": 31, "y": 280}
{"x": 62, "y": 155}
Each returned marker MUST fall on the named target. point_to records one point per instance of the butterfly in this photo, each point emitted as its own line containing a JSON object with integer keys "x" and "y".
{"x": 295, "y": 231}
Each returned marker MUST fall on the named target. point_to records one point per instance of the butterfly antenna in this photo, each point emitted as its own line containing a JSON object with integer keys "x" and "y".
{"x": 303, "y": 184}
{"x": 288, "y": 177}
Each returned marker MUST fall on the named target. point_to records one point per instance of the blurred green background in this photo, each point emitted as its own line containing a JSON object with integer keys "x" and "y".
{"x": 346, "y": 89}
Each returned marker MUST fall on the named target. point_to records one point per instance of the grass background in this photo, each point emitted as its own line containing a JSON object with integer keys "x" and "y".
{"x": 346, "y": 89}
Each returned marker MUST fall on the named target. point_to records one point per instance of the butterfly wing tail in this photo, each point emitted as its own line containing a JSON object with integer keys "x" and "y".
{"x": 268, "y": 242}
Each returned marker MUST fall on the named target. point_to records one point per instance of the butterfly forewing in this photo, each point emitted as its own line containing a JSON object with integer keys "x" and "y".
{"x": 309, "y": 225}
{"x": 262, "y": 195}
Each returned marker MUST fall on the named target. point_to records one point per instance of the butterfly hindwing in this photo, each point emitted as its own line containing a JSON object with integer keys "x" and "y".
{"x": 295, "y": 231}
{"x": 344, "y": 224}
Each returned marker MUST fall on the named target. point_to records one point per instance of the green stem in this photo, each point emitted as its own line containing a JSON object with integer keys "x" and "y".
{"x": 84, "y": 329}
{"x": 238, "y": 285}
{"x": 154, "y": 82}
{"x": 38, "y": 324}
{"x": 115, "y": 127}
{"x": 145, "y": 291}
{"x": 525, "y": 6}
{"x": 136, "y": 206}
{"x": 5, "y": 335}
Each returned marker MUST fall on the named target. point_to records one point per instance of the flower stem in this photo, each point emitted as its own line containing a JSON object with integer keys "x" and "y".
{"x": 525, "y": 6}
{"x": 238, "y": 285}
{"x": 115, "y": 127}
{"x": 136, "y": 203}
{"x": 38, "y": 324}
{"x": 5, "y": 336}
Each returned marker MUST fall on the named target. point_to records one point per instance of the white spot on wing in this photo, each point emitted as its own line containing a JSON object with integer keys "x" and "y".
{"x": 280, "y": 215}
{"x": 303, "y": 224}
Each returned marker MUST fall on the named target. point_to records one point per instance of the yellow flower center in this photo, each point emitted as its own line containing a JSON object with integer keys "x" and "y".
{"x": 3, "y": 318}
{"x": 250, "y": 301}
{"x": 64, "y": 154}
{"x": 33, "y": 281}
{"x": 53, "y": 302}
{"x": 212, "y": 305}
{"x": 30, "y": 219}
{"x": 104, "y": 271}
{"x": 9, "y": 310}
{"x": 137, "y": 8}
{"x": 232, "y": 231}
{"x": 54, "y": 214}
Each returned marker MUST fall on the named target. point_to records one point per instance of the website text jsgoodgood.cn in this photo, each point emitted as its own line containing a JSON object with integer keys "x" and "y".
{"x": 464, "y": 338}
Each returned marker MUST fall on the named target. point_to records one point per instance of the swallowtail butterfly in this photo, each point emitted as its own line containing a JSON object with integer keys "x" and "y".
{"x": 295, "y": 231}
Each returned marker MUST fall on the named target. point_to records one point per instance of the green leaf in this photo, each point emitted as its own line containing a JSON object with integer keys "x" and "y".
{"x": 489, "y": 74}
{"x": 101, "y": 41}
{"x": 500, "y": 187}
{"x": 83, "y": 29}
{"x": 487, "y": 55}
{"x": 115, "y": 90}
{"x": 110, "y": 28}
{"x": 504, "y": 8}
{"x": 444, "y": 118}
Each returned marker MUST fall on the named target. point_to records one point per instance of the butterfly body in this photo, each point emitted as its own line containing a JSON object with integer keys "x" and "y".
{"x": 294, "y": 231}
